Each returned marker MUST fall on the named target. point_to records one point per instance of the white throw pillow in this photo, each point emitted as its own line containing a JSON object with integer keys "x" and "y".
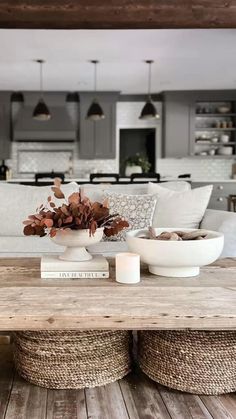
{"x": 138, "y": 210}
{"x": 224, "y": 222}
{"x": 180, "y": 186}
{"x": 96, "y": 192}
{"x": 179, "y": 209}
{"x": 19, "y": 201}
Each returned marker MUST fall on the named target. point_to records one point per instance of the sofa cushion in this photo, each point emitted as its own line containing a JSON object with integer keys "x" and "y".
{"x": 96, "y": 192}
{"x": 179, "y": 209}
{"x": 178, "y": 186}
{"x": 19, "y": 201}
{"x": 138, "y": 210}
{"x": 224, "y": 222}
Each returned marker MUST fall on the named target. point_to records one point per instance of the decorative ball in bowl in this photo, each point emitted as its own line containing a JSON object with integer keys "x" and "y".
{"x": 177, "y": 257}
{"x": 76, "y": 242}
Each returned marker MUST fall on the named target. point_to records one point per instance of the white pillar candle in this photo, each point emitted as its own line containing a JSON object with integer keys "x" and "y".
{"x": 127, "y": 268}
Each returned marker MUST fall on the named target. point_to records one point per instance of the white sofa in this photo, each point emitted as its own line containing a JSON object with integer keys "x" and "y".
{"x": 18, "y": 201}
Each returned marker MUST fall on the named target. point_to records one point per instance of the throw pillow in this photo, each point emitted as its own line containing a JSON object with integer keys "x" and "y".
{"x": 19, "y": 201}
{"x": 138, "y": 210}
{"x": 177, "y": 185}
{"x": 224, "y": 222}
{"x": 96, "y": 192}
{"x": 179, "y": 209}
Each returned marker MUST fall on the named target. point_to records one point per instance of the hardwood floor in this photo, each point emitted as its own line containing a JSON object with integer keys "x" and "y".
{"x": 134, "y": 397}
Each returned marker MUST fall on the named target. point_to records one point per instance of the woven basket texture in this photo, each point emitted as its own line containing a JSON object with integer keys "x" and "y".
{"x": 198, "y": 362}
{"x": 72, "y": 359}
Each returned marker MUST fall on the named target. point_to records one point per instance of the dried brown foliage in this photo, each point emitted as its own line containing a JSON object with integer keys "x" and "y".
{"x": 76, "y": 213}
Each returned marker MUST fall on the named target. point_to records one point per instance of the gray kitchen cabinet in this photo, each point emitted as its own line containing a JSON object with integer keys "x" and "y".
{"x": 176, "y": 124}
{"x": 5, "y": 125}
{"x": 220, "y": 193}
{"x": 218, "y": 203}
{"x": 97, "y": 140}
{"x": 184, "y": 125}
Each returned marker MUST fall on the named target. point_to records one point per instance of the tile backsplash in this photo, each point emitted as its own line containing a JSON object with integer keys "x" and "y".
{"x": 40, "y": 161}
{"x": 205, "y": 168}
{"x": 28, "y": 158}
{"x": 31, "y": 157}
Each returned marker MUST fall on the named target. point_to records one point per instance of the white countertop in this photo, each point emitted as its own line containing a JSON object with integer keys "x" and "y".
{"x": 213, "y": 180}
{"x": 197, "y": 180}
{"x": 167, "y": 179}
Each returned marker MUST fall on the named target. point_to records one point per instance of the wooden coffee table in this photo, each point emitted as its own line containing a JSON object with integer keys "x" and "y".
{"x": 30, "y": 303}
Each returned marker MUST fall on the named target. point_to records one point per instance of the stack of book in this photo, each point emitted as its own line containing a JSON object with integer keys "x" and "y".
{"x": 53, "y": 267}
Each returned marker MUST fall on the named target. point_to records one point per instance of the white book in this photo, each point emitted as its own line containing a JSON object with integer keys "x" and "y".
{"x": 53, "y": 264}
{"x": 74, "y": 275}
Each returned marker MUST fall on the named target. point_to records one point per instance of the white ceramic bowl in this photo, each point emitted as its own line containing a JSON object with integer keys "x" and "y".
{"x": 224, "y": 138}
{"x": 175, "y": 258}
{"x": 225, "y": 151}
{"x": 75, "y": 242}
{"x": 223, "y": 109}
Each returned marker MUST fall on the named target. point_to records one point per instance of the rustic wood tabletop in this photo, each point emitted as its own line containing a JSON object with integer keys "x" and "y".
{"x": 28, "y": 302}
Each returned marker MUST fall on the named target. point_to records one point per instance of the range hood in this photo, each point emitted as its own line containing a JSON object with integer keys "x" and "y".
{"x": 59, "y": 128}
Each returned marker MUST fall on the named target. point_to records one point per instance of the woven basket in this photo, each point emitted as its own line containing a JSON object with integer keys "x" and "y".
{"x": 191, "y": 361}
{"x": 72, "y": 359}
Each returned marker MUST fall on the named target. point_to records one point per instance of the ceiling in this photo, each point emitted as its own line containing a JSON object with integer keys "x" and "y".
{"x": 184, "y": 59}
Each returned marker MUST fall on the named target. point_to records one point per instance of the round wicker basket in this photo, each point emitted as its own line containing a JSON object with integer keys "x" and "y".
{"x": 72, "y": 359}
{"x": 197, "y": 362}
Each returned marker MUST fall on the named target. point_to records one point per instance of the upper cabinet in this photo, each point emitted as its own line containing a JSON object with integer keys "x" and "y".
{"x": 5, "y": 125}
{"x": 97, "y": 140}
{"x": 176, "y": 124}
{"x": 199, "y": 123}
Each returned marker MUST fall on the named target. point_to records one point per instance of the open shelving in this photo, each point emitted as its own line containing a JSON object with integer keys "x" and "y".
{"x": 215, "y": 120}
{"x": 210, "y": 115}
{"x": 215, "y": 129}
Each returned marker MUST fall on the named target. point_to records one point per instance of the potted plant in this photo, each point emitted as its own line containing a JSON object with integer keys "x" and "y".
{"x": 74, "y": 224}
{"x": 137, "y": 164}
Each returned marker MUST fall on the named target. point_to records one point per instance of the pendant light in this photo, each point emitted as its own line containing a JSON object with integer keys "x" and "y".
{"x": 149, "y": 110}
{"x": 41, "y": 111}
{"x": 95, "y": 112}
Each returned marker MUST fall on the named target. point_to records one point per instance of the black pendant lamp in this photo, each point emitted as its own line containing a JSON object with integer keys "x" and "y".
{"x": 95, "y": 112}
{"x": 149, "y": 110}
{"x": 41, "y": 111}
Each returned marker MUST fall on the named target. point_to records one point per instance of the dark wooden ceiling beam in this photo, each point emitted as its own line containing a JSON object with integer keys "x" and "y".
{"x": 117, "y": 14}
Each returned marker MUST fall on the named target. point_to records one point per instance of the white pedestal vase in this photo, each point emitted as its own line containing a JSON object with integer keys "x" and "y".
{"x": 76, "y": 242}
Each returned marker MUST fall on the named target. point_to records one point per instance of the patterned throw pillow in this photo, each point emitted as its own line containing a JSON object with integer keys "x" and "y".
{"x": 138, "y": 210}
